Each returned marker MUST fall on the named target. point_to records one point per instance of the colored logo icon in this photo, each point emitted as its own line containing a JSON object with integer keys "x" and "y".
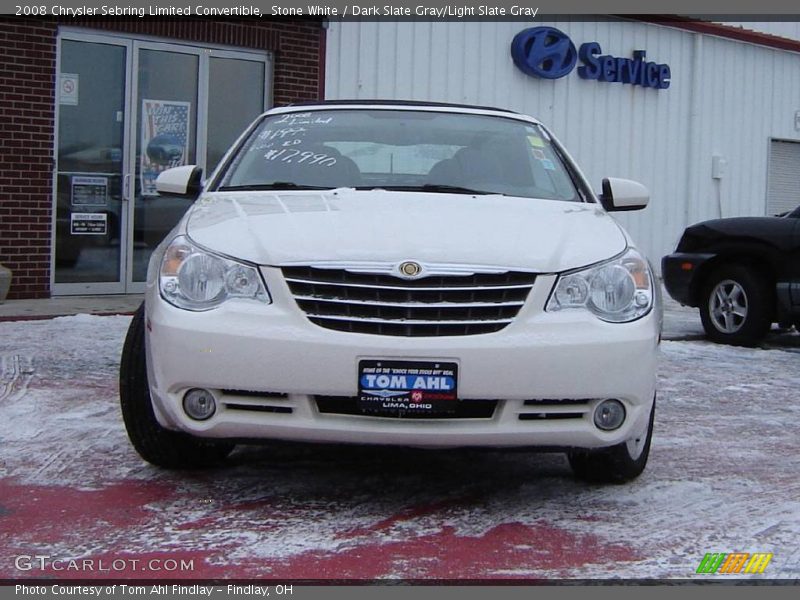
{"x": 734, "y": 563}
{"x": 544, "y": 52}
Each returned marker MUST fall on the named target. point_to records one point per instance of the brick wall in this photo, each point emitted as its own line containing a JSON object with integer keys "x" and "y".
{"x": 27, "y": 121}
{"x": 27, "y": 72}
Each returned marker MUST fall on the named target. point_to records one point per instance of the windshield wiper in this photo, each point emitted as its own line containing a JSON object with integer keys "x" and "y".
{"x": 429, "y": 187}
{"x": 275, "y": 185}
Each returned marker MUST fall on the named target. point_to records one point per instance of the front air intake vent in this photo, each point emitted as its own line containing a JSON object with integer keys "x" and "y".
{"x": 465, "y": 409}
{"x": 553, "y": 409}
{"x": 253, "y": 401}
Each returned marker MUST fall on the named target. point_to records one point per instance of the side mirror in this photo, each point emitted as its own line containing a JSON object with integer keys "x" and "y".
{"x": 623, "y": 194}
{"x": 180, "y": 181}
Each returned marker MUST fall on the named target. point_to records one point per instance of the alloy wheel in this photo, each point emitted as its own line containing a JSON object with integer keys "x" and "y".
{"x": 727, "y": 306}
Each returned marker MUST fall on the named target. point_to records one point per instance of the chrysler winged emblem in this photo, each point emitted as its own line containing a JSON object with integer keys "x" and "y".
{"x": 410, "y": 269}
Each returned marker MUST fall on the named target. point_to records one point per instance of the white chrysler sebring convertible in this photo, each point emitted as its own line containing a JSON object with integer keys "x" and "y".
{"x": 396, "y": 273}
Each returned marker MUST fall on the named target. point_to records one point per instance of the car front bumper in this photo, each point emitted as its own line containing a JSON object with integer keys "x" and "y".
{"x": 679, "y": 270}
{"x": 266, "y": 364}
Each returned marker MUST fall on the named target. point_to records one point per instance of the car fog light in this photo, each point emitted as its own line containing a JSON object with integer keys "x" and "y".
{"x": 609, "y": 415}
{"x": 199, "y": 404}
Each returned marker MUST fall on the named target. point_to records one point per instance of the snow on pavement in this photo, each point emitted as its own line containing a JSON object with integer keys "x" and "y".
{"x": 722, "y": 477}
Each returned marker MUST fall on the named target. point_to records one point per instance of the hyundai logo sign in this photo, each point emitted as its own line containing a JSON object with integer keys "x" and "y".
{"x": 544, "y": 52}
{"x": 549, "y": 53}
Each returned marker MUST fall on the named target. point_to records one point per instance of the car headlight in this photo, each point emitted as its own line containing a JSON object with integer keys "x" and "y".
{"x": 617, "y": 291}
{"x": 195, "y": 279}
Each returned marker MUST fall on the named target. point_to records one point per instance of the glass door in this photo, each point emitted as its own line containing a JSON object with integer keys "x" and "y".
{"x": 165, "y": 136}
{"x": 185, "y": 114}
{"x": 128, "y": 110}
{"x": 90, "y": 176}
{"x": 230, "y": 114}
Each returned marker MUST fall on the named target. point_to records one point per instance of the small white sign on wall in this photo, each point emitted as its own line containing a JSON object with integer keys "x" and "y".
{"x": 89, "y": 191}
{"x": 68, "y": 89}
{"x": 88, "y": 224}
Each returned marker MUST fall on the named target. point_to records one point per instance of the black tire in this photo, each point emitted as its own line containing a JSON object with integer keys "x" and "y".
{"x": 154, "y": 443}
{"x": 614, "y": 464}
{"x": 745, "y": 316}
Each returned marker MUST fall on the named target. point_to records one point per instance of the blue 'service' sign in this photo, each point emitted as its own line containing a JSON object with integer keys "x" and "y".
{"x": 549, "y": 53}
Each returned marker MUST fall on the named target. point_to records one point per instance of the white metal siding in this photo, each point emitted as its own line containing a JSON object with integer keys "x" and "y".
{"x": 727, "y": 98}
{"x": 783, "y": 192}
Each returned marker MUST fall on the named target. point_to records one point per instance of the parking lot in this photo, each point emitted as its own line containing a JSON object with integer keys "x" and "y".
{"x": 722, "y": 477}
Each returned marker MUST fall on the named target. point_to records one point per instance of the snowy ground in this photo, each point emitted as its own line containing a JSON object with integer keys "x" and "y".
{"x": 723, "y": 477}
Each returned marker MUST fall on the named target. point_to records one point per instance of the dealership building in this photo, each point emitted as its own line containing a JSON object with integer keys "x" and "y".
{"x": 706, "y": 115}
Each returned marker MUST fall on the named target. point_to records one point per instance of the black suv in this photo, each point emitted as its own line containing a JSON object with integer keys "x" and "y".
{"x": 742, "y": 273}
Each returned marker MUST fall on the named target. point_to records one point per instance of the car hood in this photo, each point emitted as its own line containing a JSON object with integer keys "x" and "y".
{"x": 345, "y": 225}
{"x": 708, "y": 235}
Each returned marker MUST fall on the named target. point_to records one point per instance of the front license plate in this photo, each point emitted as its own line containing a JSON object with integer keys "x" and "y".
{"x": 400, "y": 388}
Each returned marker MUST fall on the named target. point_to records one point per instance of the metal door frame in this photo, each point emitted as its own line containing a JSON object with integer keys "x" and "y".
{"x": 133, "y": 44}
{"x": 201, "y": 104}
{"x": 201, "y": 128}
{"x": 117, "y": 287}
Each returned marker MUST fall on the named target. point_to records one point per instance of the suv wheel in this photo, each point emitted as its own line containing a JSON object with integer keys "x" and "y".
{"x": 154, "y": 443}
{"x": 616, "y": 464}
{"x": 735, "y": 306}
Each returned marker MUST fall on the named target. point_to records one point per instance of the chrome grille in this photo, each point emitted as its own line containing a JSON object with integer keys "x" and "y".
{"x": 382, "y": 304}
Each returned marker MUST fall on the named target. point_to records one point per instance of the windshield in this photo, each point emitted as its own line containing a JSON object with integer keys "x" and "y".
{"x": 402, "y": 150}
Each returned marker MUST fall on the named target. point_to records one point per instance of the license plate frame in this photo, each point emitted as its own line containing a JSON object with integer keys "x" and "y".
{"x": 407, "y": 388}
